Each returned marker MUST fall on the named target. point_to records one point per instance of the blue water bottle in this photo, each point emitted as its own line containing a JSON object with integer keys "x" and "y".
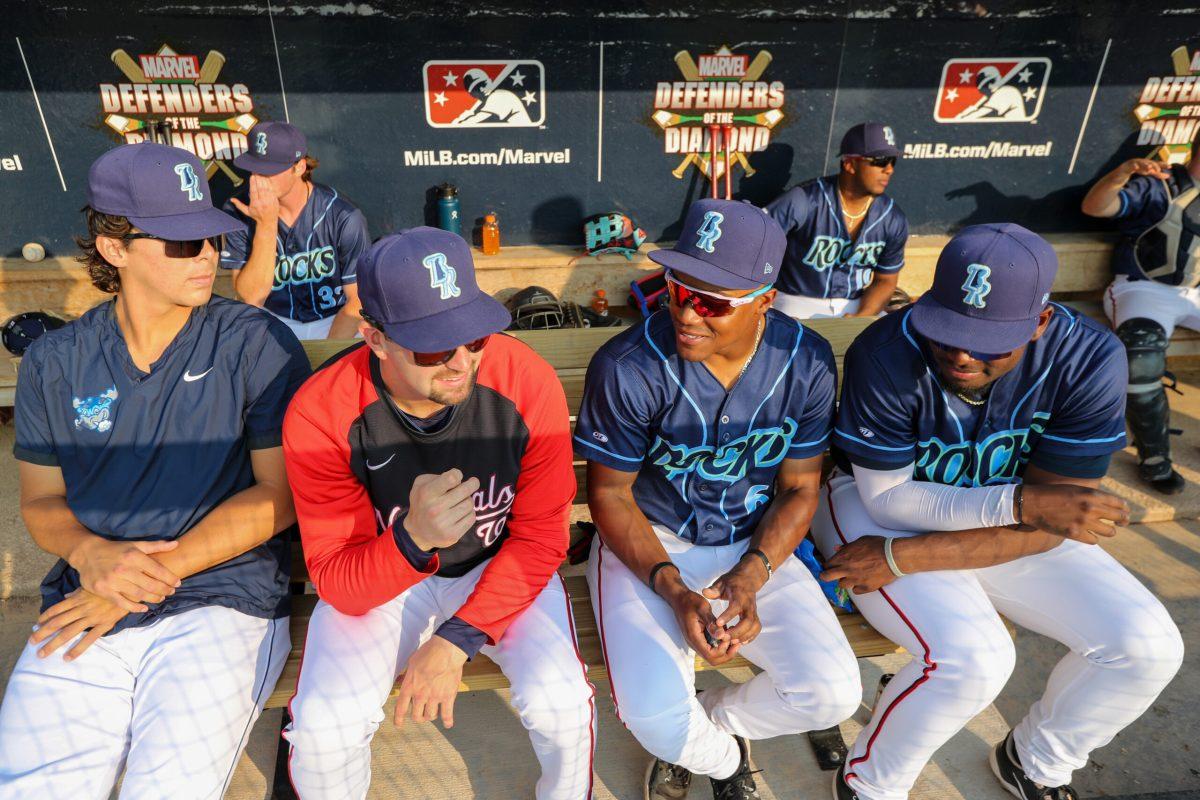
{"x": 448, "y": 216}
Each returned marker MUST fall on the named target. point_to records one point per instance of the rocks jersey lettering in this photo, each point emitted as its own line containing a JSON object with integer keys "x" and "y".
{"x": 706, "y": 458}
{"x": 821, "y": 259}
{"x": 1063, "y": 401}
{"x": 314, "y": 258}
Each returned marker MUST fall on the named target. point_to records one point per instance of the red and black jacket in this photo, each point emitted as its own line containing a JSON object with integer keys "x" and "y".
{"x": 351, "y": 463}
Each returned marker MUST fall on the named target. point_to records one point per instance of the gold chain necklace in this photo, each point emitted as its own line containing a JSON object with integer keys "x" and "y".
{"x": 860, "y": 214}
{"x": 757, "y": 341}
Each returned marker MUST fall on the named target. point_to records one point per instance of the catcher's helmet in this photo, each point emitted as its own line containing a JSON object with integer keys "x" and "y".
{"x": 534, "y": 309}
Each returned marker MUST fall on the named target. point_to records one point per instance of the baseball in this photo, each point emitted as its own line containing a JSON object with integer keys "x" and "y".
{"x": 33, "y": 251}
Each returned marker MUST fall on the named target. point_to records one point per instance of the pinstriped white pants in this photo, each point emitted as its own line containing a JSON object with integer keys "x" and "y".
{"x": 171, "y": 703}
{"x": 1124, "y": 650}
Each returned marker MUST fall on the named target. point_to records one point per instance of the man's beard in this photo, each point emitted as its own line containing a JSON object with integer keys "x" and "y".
{"x": 454, "y": 396}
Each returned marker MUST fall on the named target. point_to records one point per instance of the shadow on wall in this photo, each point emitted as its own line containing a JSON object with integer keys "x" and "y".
{"x": 1056, "y": 211}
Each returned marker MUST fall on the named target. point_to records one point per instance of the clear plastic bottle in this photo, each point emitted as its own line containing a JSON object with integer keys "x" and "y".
{"x": 490, "y": 236}
{"x": 600, "y": 303}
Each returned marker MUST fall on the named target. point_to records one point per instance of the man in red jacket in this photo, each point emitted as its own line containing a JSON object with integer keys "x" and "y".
{"x": 431, "y": 468}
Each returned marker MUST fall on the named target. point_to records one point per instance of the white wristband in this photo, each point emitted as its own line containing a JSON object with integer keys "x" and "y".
{"x": 891, "y": 561}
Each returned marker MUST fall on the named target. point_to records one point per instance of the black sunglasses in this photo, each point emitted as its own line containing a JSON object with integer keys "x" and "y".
{"x": 174, "y": 248}
{"x": 881, "y": 161}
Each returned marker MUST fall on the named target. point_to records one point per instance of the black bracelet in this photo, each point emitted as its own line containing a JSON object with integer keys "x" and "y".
{"x": 1020, "y": 503}
{"x": 766, "y": 561}
{"x": 654, "y": 573}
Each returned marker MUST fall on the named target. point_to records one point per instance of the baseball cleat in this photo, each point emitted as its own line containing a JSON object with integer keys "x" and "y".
{"x": 740, "y": 785}
{"x": 666, "y": 781}
{"x": 1162, "y": 477}
{"x": 1007, "y": 769}
{"x": 841, "y": 789}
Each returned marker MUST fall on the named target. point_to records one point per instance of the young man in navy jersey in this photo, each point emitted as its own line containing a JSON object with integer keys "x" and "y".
{"x": 298, "y": 254}
{"x": 1143, "y": 311}
{"x": 704, "y": 431}
{"x": 846, "y": 238}
{"x": 148, "y": 437}
{"x": 973, "y": 432}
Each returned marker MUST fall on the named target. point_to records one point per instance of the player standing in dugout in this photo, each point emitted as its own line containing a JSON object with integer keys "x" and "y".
{"x": 704, "y": 429}
{"x": 972, "y": 434}
{"x": 148, "y": 436}
{"x": 1156, "y": 266}
{"x": 298, "y": 255}
{"x": 845, "y": 237}
{"x": 431, "y": 468}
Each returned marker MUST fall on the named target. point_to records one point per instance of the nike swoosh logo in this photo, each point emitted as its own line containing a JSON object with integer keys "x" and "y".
{"x": 373, "y": 467}
{"x": 189, "y": 377}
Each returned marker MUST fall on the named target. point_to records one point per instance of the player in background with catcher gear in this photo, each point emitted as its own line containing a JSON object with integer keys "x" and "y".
{"x": 299, "y": 253}
{"x": 704, "y": 428}
{"x": 846, "y": 238}
{"x": 431, "y": 467}
{"x": 148, "y": 440}
{"x": 973, "y": 431}
{"x": 1139, "y": 195}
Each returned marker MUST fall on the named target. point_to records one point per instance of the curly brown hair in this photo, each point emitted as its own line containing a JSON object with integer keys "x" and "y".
{"x": 310, "y": 163}
{"x": 105, "y": 276}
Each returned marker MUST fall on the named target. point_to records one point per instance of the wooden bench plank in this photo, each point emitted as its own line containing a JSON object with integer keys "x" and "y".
{"x": 482, "y": 673}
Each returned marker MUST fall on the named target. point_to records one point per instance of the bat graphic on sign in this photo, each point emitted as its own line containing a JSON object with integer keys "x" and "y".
{"x": 1181, "y": 61}
{"x": 211, "y": 67}
{"x": 687, "y": 66}
{"x": 129, "y": 68}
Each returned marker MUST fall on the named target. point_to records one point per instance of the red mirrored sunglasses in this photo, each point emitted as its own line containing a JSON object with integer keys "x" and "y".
{"x": 707, "y": 304}
{"x": 173, "y": 248}
{"x": 441, "y": 357}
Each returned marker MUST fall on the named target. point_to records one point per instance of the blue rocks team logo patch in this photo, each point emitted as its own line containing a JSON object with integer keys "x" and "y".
{"x": 442, "y": 276}
{"x": 95, "y": 413}
{"x": 709, "y": 231}
{"x": 977, "y": 286}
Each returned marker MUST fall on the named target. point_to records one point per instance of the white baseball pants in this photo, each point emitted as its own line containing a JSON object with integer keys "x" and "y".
{"x": 351, "y": 662}
{"x": 1169, "y": 306}
{"x": 171, "y": 702}
{"x": 810, "y": 679}
{"x": 801, "y": 308}
{"x": 1124, "y": 646}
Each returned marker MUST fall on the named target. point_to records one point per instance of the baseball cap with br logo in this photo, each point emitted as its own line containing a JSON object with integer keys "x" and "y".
{"x": 989, "y": 288}
{"x": 728, "y": 243}
{"x": 161, "y": 190}
{"x": 419, "y": 285}
{"x": 272, "y": 147}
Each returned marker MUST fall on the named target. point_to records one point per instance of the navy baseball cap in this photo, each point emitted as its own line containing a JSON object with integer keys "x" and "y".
{"x": 273, "y": 147}
{"x": 990, "y": 285}
{"x": 161, "y": 190}
{"x": 419, "y": 285}
{"x": 869, "y": 140}
{"x": 728, "y": 243}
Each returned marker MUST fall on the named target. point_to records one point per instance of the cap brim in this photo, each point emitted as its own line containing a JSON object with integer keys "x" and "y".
{"x": 882, "y": 152}
{"x": 466, "y": 323}
{"x": 256, "y": 166}
{"x": 701, "y": 270}
{"x": 934, "y": 321}
{"x": 195, "y": 225}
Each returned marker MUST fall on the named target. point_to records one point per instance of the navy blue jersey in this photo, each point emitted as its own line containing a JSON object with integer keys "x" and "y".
{"x": 314, "y": 258}
{"x": 821, "y": 259}
{"x": 706, "y": 458}
{"x": 148, "y": 455}
{"x": 1064, "y": 400}
{"x": 1144, "y": 202}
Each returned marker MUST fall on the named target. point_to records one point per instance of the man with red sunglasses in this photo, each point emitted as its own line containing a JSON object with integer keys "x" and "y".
{"x": 704, "y": 430}
{"x": 148, "y": 440}
{"x": 846, "y": 238}
{"x": 431, "y": 467}
{"x": 972, "y": 435}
